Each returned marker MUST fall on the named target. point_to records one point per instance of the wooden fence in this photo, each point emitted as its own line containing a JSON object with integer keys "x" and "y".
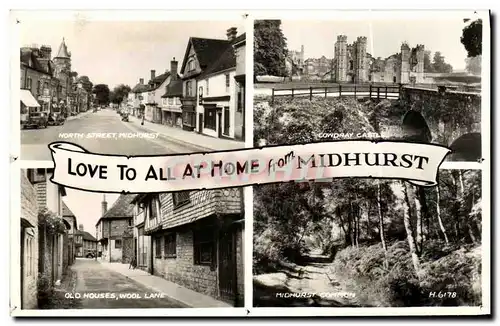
{"x": 356, "y": 91}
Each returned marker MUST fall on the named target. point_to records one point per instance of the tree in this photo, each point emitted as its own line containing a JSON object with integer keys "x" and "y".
{"x": 472, "y": 38}
{"x": 86, "y": 83}
{"x": 119, "y": 93}
{"x": 473, "y": 65}
{"x": 440, "y": 65}
{"x": 101, "y": 92}
{"x": 427, "y": 62}
{"x": 270, "y": 48}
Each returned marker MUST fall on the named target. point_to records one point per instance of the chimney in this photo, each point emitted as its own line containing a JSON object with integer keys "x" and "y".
{"x": 80, "y": 227}
{"x": 141, "y": 81}
{"x": 231, "y": 33}
{"x": 46, "y": 51}
{"x": 153, "y": 73}
{"x": 173, "y": 69}
{"x": 104, "y": 205}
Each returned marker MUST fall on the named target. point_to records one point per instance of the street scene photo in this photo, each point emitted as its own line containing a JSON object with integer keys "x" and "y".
{"x": 132, "y": 88}
{"x": 368, "y": 79}
{"x": 369, "y": 243}
{"x": 84, "y": 250}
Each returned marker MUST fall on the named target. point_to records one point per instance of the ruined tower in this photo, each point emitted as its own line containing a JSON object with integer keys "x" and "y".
{"x": 341, "y": 58}
{"x": 419, "y": 69}
{"x": 360, "y": 67}
{"x": 405, "y": 64}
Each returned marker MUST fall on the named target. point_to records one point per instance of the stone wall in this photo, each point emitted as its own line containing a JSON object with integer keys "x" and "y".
{"x": 240, "y": 263}
{"x": 449, "y": 114}
{"x": 29, "y": 212}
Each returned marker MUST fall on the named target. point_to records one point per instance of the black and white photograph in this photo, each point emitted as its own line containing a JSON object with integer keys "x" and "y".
{"x": 370, "y": 79}
{"x": 131, "y": 87}
{"x": 369, "y": 243}
{"x": 86, "y": 250}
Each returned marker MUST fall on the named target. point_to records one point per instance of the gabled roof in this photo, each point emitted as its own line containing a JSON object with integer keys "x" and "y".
{"x": 66, "y": 211}
{"x": 158, "y": 80}
{"x": 63, "y": 51}
{"x": 27, "y": 55}
{"x": 174, "y": 89}
{"x": 122, "y": 208}
{"x": 207, "y": 50}
{"x": 226, "y": 60}
{"x": 87, "y": 236}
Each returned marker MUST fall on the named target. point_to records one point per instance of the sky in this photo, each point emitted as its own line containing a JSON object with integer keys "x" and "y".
{"x": 384, "y": 37}
{"x": 87, "y": 206}
{"x": 114, "y": 52}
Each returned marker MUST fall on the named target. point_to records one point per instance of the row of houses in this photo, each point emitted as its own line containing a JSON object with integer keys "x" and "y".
{"x": 192, "y": 238}
{"x": 207, "y": 94}
{"x": 49, "y": 237}
{"x": 48, "y": 83}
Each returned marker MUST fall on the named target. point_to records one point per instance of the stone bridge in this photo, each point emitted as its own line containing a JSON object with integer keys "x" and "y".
{"x": 445, "y": 117}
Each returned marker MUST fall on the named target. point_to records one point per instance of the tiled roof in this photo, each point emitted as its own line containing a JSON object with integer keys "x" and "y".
{"x": 26, "y": 55}
{"x": 87, "y": 236}
{"x": 139, "y": 88}
{"x": 158, "y": 80}
{"x": 240, "y": 38}
{"x": 66, "y": 211}
{"x": 207, "y": 50}
{"x": 122, "y": 208}
{"x": 225, "y": 61}
{"x": 174, "y": 89}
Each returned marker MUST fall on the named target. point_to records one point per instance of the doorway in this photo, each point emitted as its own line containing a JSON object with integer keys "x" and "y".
{"x": 219, "y": 124}
{"x": 200, "y": 122}
{"x": 226, "y": 121}
{"x": 227, "y": 265}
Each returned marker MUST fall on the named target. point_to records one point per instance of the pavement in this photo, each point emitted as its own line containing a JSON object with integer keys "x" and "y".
{"x": 203, "y": 142}
{"x": 181, "y": 295}
{"x": 82, "y": 129}
{"x": 98, "y": 287}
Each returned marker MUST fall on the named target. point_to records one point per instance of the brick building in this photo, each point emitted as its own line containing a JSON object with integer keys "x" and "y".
{"x": 195, "y": 239}
{"x": 29, "y": 244}
{"x": 115, "y": 230}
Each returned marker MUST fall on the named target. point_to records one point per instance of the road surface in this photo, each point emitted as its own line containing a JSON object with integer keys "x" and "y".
{"x": 94, "y": 280}
{"x": 34, "y": 141}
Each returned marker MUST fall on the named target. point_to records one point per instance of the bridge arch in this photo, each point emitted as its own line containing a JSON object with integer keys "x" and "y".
{"x": 415, "y": 127}
{"x": 466, "y": 147}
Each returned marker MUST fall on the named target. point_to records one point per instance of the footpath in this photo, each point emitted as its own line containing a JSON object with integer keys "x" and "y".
{"x": 175, "y": 292}
{"x": 79, "y": 115}
{"x": 188, "y": 138}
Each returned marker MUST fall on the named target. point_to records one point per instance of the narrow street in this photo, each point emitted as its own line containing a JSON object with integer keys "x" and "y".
{"x": 94, "y": 282}
{"x": 34, "y": 141}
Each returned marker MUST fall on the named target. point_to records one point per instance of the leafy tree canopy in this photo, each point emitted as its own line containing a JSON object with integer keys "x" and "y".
{"x": 472, "y": 38}
{"x": 270, "y": 48}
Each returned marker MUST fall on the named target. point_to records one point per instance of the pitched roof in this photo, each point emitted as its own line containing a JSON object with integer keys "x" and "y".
{"x": 87, "y": 236}
{"x": 158, "y": 80}
{"x": 174, "y": 89}
{"x": 239, "y": 39}
{"x": 27, "y": 55}
{"x": 63, "y": 51}
{"x": 226, "y": 60}
{"x": 122, "y": 208}
{"x": 207, "y": 50}
{"x": 139, "y": 88}
{"x": 66, "y": 211}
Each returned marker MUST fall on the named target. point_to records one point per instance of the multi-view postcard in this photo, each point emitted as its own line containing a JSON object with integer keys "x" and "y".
{"x": 333, "y": 166}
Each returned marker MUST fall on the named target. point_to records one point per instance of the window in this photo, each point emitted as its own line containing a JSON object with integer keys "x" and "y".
{"x": 170, "y": 245}
{"x": 177, "y": 101}
{"x": 158, "y": 247}
{"x": 188, "y": 118}
{"x": 130, "y": 222}
{"x": 38, "y": 88}
{"x": 118, "y": 243}
{"x": 180, "y": 198}
{"x": 189, "y": 88}
{"x": 208, "y": 89}
{"x": 203, "y": 247}
{"x": 228, "y": 82}
{"x": 210, "y": 118}
{"x": 241, "y": 101}
{"x": 170, "y": 101}
{"x": 191, "y": 65}
{"x": 153, "y": 213}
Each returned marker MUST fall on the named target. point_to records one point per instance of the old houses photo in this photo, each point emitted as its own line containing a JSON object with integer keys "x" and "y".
{"x": 183, "y": 89}
{"x": 358, "y": 77}
{"x": 83, "y": 250}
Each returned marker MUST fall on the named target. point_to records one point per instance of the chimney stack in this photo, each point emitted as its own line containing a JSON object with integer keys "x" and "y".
{"x": 153, "y": 74}
{"x": 46, "y": 51}
{"x": 104, "y": 205}
{"x": 231, "y": 33}
{"x": 173, "y": 69}
{"x": 80, "y": 227}
{"x": 141, "y": 81}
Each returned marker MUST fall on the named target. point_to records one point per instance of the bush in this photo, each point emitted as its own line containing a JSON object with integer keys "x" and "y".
{"x": 452, "y": 273}
{"x": 45, "y": 290}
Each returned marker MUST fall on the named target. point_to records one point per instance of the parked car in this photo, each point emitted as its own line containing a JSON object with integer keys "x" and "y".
{"x": 125, "y": 117}
{"x": 35, "y": 119}
{"x": 90, "y": 255}
{"x": 56, "y": 119}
